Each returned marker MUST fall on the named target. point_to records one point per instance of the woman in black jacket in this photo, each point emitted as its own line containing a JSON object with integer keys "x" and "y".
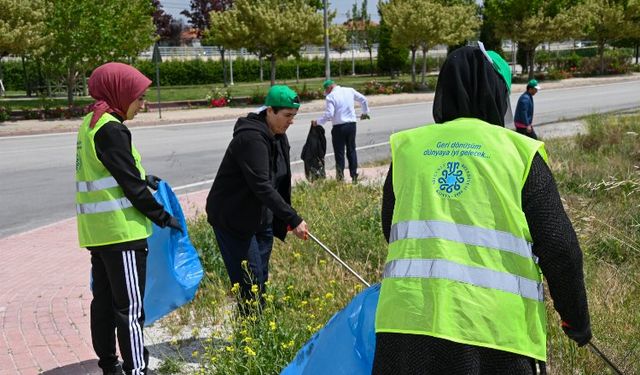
{"x": 250, "y": 200}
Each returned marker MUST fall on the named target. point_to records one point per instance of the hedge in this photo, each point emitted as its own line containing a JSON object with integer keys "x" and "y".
{"x": 205, "y": 72}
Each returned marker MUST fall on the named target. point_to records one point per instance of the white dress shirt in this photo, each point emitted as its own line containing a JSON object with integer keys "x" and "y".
{"x": 340, "y": 107}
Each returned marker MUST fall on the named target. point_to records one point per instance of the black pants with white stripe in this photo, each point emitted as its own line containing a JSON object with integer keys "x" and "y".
{"x": 118, "y": 290}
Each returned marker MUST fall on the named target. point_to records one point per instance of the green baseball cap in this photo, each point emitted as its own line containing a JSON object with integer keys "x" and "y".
{"x": 533, "y": 84}
{"x": 282, "y": 96}
{"x": 501, "y": 67}
{"x": 327, "y": 83}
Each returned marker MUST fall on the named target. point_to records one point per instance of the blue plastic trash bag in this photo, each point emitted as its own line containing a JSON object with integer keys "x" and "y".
{"x": 345, "y": 345}
{"x": 173, "y": 267}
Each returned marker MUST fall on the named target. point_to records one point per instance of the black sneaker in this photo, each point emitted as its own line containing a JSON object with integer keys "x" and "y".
{"x": 116, "y": 370}
{"x": 354, "y": 179}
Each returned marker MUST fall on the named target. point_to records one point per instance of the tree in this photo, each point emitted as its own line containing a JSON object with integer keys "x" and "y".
{"x": 21, "y": 30}
{"x": 422, "y": 24}
{"x": 200, "y": 18}
{"x": 632, "y": 37}
{"x": 362, "y": 30}
{"x": 529, "y": 23}
{"x": 605, "y": 21}
{"x": 86, "y": 34}
{"x": 338, "y": 40}
{"x": 277, "y": 29}
{"x": 161, "y": 20}
{"x": 228, "y": 32}
{"x": 391, "y": 59}
{"x": 488, "y": 34}
{"x": 369, "y": 34}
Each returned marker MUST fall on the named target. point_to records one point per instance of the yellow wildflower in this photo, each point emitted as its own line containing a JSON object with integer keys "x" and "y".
{"x": 323, "y": 262}
{"x": 272, "y": 326}
{"x": 328, "y": 296}
{"x": 250, "y": 352}
{"x": 296, "y": 255}
{"x": 195, "y": 354}
{"x": 235, "y": 288}
{"x": 230, "y": 349}
{"x": 254, "y": 289}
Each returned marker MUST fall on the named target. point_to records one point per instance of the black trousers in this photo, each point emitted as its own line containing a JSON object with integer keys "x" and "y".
{"x": 342, "y": 136}
{"x": 118, "y": 290}
{"x": 256, "y": 250}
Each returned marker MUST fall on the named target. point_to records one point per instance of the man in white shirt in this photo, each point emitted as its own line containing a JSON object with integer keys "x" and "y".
{"x": 340, "y": 110}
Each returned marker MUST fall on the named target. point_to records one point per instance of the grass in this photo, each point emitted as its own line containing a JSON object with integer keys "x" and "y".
{"x": 599, "y": 179}
{"x": 16, "y": 99}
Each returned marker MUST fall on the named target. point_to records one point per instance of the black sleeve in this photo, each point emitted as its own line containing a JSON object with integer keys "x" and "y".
{"x": 113, "y": 148}
{"x": 388, "y": 202}
{"x": 555, "y": 244}
{"x": 251, "y": 153}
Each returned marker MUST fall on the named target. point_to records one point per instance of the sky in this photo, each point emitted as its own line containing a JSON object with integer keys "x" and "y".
{"x": 174, "y": 7}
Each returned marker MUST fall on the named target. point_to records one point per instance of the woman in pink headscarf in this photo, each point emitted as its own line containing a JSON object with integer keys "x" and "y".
{"x": 115, "y": 210}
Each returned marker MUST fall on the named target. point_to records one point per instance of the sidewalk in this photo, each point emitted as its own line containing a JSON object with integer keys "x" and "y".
{"x": 212, "y": 114}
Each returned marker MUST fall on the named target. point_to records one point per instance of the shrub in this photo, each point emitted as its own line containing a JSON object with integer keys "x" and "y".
{"x": 5, "y": 113}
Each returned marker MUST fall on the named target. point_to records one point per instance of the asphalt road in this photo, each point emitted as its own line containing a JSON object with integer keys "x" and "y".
{"x": 37, "y": 183}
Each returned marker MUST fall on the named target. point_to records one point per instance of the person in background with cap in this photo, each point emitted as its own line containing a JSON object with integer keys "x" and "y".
{"x": 524, "y": 110}
{"x": 115, "y": 210}
{"x": 340, "y": 110}
{"x": 473, "y": 218}
{"x": 250, "y": 200}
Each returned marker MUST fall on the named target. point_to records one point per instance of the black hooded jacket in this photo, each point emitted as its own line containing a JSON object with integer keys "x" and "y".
{"x": 313, "y": 153}
{"x": 243, "y": 189}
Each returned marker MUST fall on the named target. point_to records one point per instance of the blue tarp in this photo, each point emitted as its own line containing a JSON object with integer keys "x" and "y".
{"x": 345, "y": 345}
{"x": 173, "y": 267}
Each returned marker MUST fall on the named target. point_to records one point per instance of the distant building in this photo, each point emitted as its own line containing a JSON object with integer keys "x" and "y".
{"x": 190, "y": 37}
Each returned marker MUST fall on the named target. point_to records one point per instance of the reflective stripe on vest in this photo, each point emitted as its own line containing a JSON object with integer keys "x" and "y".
{"x": 104, "y": 183}
{"x": 105, "y": 206}
{"x": 467, "y": 234}
{"x": 482, "y": 277}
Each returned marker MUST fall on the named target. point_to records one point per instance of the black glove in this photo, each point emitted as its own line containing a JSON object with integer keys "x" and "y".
{"x": 581, "y": 336}
{"x": 153, "y": 181}
{"x": 175, "y": 224}
{"x": 364, "y": 116}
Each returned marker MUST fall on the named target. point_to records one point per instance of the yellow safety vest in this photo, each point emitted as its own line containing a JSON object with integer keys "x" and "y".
{"x": 105, "y": 215}
{"x": 460, "y": 265}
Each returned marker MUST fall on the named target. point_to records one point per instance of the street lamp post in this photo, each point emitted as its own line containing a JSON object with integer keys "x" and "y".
{"x": 327, "y": 65}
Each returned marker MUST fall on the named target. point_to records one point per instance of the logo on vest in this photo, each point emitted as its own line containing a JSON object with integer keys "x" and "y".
{"x": 451, "y": 179}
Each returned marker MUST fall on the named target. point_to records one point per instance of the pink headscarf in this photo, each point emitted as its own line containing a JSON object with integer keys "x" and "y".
{"x": 115, "y": 86}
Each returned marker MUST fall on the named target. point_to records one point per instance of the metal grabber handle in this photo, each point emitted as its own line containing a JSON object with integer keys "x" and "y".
{"x": 323, "y": 246}
{"x": 604, "y": 358}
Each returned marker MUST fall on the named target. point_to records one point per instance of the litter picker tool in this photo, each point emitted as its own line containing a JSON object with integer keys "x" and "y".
{"x": 604, "y": 358}
{"x": 323, "y": 246}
